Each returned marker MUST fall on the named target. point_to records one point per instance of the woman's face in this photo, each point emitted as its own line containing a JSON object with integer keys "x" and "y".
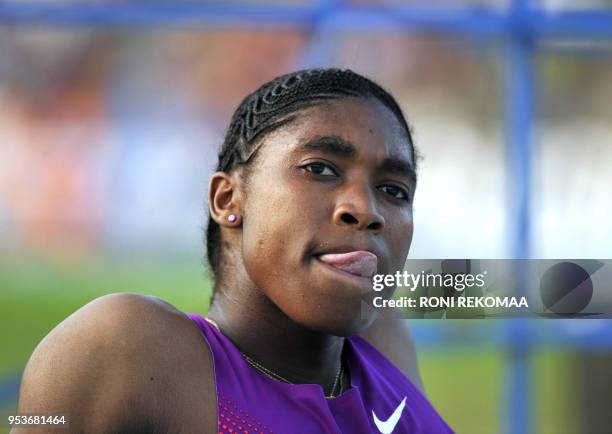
{"x": 338, "y": 178}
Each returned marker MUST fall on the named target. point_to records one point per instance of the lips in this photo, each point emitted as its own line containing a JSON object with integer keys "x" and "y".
{"x": 359, "y": 262}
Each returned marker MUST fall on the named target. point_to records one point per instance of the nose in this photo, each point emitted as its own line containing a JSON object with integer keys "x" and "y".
{"x": 357, "y": 209}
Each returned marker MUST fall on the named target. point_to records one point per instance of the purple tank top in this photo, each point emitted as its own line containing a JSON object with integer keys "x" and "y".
{"x": 381, "y": 398}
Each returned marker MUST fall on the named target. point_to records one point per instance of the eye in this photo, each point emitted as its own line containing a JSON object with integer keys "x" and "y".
{"x": 395, "y": 191}
{"x": 320, "y": 169}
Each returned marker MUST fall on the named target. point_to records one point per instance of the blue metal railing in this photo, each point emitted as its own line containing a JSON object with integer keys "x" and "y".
{"x": 474, "y": 21}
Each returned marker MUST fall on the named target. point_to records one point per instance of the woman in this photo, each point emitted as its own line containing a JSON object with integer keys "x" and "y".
{"x": 312, "y": 196}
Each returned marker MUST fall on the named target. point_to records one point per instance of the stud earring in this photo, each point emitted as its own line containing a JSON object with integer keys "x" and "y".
{"x": 232, "y": 218}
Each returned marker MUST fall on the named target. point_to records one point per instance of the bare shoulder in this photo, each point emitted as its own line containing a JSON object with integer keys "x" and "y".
{"x": 114, "y": 362}
{"x": 393, "y": 338}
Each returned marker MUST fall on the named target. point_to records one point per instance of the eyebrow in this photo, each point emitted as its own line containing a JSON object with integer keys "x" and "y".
{"x": 335, "y": 145}
{"x": 331, "y": 145}
{"x": 399, "y": 166}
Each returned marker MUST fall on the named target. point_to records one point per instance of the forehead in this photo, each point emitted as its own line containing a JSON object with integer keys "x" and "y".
{"x": 371, "y": 127}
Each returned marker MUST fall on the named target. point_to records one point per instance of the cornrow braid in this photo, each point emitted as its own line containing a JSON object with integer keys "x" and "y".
{"x": 270, "y": 106}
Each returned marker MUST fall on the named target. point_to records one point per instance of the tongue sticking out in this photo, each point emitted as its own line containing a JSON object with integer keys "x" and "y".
{"x": 360, "y": 262}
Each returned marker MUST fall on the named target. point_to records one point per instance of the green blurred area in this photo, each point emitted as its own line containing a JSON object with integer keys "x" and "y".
{"x": 465, "y": 384}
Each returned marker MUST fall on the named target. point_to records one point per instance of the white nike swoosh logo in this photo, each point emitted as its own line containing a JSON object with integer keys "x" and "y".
{"x": 387, "y": 426}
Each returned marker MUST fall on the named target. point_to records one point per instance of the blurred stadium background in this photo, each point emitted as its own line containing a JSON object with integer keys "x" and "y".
{"x": 111, "y": 113}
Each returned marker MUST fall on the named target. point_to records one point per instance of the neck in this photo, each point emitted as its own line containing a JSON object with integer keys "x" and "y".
{"x": 264, "y": 333}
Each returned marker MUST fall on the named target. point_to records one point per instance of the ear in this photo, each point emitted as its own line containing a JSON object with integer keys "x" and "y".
{"x": 225, "y": 199}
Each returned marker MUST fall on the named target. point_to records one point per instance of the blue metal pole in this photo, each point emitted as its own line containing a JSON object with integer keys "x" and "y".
{"x": 519, "y": 79}
{"x": 477, "y": 22}
{"x": 322, "y": 37}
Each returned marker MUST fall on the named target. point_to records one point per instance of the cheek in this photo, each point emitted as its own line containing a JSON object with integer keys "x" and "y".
{"x": 401, "y": 232}
{"x": 276, "y": 230}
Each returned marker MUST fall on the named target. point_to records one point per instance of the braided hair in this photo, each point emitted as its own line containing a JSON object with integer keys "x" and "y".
{"x": 270, "y": 106}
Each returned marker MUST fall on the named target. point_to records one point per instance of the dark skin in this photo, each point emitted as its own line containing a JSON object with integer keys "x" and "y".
{"x": 133, "y": 363}
{"x": 325, "y": 193}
